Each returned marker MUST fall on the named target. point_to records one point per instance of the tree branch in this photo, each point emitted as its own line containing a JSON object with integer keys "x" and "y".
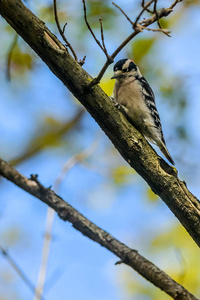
{"x": 66, "y": 212}
{"x": 133, "y": 147}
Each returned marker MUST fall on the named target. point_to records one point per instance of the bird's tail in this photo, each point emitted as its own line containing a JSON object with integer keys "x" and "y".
{"x": 164, "y": 150}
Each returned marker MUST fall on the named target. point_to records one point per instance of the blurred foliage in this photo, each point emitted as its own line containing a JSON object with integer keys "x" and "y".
{"x": 174, "y": 252}
{"x": 100, "y": 9}
{"x": 21, "y": 61}
{"x": 121, "y": 174}
{"x": 47, "y": 13}
{"x": 50, "y": 134}
{"x": 141, "y": 47}
{"x": 189, "y": 3}
{"x": 11, "y": 236}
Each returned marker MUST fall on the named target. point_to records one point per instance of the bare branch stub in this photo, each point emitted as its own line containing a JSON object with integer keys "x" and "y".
{"x": 82, "y": 61}
{"x": 61, "y": 31}
{"x": 64, "y": 28}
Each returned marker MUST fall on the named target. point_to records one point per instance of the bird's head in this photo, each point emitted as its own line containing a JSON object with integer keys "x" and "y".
{"x": 125, "y": 68}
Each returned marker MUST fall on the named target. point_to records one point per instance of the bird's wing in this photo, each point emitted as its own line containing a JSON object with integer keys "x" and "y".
{"x": 149, "y": 99}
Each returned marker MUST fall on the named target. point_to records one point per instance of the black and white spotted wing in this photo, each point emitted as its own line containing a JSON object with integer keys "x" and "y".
{"x": 150, "y": 102}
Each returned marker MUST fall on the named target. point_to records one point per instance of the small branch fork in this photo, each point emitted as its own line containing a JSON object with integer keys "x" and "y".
{"x": 137, "y": 27}
{"x": 62, "y": 33}
{"x": 102, "y": 46}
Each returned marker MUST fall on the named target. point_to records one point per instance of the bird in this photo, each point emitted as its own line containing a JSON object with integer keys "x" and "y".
{"x": 135, "y": 98}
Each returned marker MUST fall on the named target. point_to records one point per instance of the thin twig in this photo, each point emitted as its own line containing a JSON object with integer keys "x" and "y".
{"x": 155, "y": 12}
{"x": 64, "y": 28}
{"x": 9, "y": 57}
{"x": 147, "y": 9}
{"x": 62, "y": 31}
{"x": 89, "y": 27}
{"x": 145, "y": 23}
{"x": 175, "y": 2}
{"x": 165, "y": 31}
{"x": 102, "y": 38}
{"x": 158, "y": 21}
{"x": 102, "y": 46}
{"x": 143, "y": 10}
{"x": 123, "y": 12}
{"x": 20, "y": 272}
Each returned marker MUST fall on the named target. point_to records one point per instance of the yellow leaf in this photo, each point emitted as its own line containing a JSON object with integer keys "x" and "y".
{"x": 151, "y": 195}
{"x": 107, "y": 86}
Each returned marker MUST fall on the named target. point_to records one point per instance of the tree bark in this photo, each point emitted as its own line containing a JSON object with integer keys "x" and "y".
{"x": 161, "y": 177}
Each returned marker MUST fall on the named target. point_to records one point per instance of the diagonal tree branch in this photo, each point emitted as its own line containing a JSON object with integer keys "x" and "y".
{"x": 133, "y": 147}
{"x": 66, "y": 212}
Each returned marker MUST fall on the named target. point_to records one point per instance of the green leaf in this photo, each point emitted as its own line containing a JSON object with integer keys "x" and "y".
{"x": 141, "y": 47}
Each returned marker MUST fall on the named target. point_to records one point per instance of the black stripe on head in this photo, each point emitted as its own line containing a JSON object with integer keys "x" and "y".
{"x": 125, "y": 65}
{"x": 131, "y": 66}
{"x": 119, "y": 64}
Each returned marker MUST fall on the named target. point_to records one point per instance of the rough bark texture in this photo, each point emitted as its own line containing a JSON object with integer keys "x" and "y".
{"x": 129, "y": 142}
{"x": 67, "y": 213}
